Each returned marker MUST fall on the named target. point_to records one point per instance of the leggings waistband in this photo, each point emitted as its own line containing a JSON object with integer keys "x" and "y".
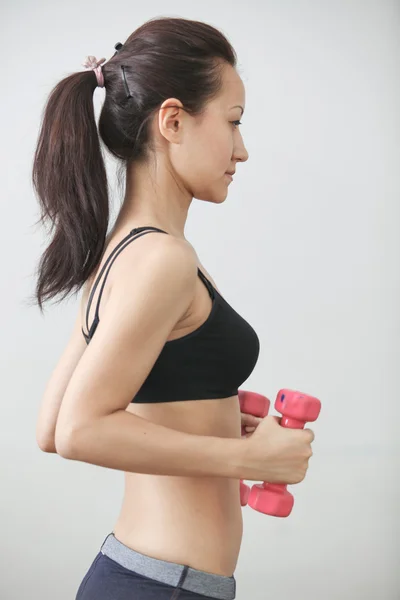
{"x": 181, "y": 576}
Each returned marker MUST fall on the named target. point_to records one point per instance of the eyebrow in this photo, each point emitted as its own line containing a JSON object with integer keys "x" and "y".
{"x": 238, "y": 106}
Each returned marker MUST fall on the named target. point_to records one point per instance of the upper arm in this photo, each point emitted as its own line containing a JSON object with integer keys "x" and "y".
{"x": 142, "y": 309}
{"x": 56, "y": 386}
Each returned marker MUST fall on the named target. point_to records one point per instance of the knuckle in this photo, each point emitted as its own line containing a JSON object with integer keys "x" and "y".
{"x": 311, "y": 435}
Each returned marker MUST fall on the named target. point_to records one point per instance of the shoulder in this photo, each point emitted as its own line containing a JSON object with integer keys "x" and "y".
{"x": 153, "y": 264}
{"x": 140, "y": 253}
{"x": 149, "y": 294}
{"x": 153, "y": 251}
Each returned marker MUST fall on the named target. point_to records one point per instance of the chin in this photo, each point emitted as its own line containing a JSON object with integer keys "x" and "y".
{"x": 215, "y": 197}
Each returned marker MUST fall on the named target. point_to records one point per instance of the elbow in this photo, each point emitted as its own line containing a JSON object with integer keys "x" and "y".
{"x": 46, "y": 445}
{"x": 65, "y": 443}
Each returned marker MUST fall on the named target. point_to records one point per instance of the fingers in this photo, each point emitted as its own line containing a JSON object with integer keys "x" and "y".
{"x": 249, "y": 423}
{"x": 250, "y": 420}
{"x": 311, "y": 435}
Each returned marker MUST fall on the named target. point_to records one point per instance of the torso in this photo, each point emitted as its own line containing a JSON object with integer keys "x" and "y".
{"x": 196, "y": 521}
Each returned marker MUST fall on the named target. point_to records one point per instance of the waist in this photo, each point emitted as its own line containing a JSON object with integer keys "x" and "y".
{"x": 194, "y": 521}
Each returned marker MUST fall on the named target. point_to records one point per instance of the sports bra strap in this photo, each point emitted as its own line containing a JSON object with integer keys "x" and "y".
{"x": 113, "y": 255}
{"x": 207, "y": 283}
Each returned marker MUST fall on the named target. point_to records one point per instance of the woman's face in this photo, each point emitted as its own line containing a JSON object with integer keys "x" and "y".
{"x": 209, "y": 145}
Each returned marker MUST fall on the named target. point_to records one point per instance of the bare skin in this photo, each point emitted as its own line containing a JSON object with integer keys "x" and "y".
{"x": 192, "y": 521}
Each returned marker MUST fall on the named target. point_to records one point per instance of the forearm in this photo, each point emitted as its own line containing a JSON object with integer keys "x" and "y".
{"x": 126, "y": 442}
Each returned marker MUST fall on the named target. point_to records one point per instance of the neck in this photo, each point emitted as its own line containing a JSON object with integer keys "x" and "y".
{"x": 153, "y": 197}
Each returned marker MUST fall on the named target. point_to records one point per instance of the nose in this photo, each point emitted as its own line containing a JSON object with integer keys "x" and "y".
{"x": 240, "y": 153}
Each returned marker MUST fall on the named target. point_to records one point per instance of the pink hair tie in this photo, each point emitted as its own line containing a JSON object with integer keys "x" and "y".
{"x": 91, "y": 62}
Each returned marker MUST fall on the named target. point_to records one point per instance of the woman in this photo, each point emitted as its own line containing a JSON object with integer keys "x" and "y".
{"x": 148, "y": 383}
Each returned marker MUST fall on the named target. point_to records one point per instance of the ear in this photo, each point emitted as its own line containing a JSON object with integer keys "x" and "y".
{"x": 170, "y": 119}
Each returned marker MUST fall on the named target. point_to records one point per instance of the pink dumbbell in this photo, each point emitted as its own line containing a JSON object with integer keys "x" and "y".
{"x": 296, "y": 408}
{"x": 257, "y": 405}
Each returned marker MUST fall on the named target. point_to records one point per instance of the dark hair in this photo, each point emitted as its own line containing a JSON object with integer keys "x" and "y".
{"x": 165, "y": 57}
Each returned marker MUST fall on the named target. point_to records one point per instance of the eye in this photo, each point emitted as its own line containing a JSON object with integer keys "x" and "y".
{"x": 236, "y": 123}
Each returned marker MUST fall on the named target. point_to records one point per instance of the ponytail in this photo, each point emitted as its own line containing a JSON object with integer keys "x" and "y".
{"x": 70, "y": 179}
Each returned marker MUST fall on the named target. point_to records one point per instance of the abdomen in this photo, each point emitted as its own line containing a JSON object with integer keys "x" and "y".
{"x": 195, "y": 521}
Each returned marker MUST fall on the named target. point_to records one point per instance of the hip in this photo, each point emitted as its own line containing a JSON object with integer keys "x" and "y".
{"x": 120, "y": 571}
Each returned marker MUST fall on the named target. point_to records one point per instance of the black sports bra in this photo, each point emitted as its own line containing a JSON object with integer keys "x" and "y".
{"x": 211, "y": 362}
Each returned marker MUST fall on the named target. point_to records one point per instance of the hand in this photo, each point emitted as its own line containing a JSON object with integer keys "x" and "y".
{"x": 250, "y": 422}
{"x": 277, "y": 454}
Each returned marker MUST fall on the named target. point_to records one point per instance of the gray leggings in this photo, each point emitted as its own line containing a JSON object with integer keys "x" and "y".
{"x": 120, "y": 573}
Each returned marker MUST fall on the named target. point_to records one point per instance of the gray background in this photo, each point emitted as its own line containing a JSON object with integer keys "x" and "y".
{"x": 306, "y": 247}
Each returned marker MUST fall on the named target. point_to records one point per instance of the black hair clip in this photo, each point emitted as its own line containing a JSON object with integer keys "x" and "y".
{"x": 118, "y": 47}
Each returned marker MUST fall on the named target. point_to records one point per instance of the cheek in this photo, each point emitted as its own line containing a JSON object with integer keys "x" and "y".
{"x": 203, "y": 159}
{"x": 215, "y": 152}
{"x": 212, "y": 159}
{"x": 221, "y": 140}
{"x": 207, "y": 158}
